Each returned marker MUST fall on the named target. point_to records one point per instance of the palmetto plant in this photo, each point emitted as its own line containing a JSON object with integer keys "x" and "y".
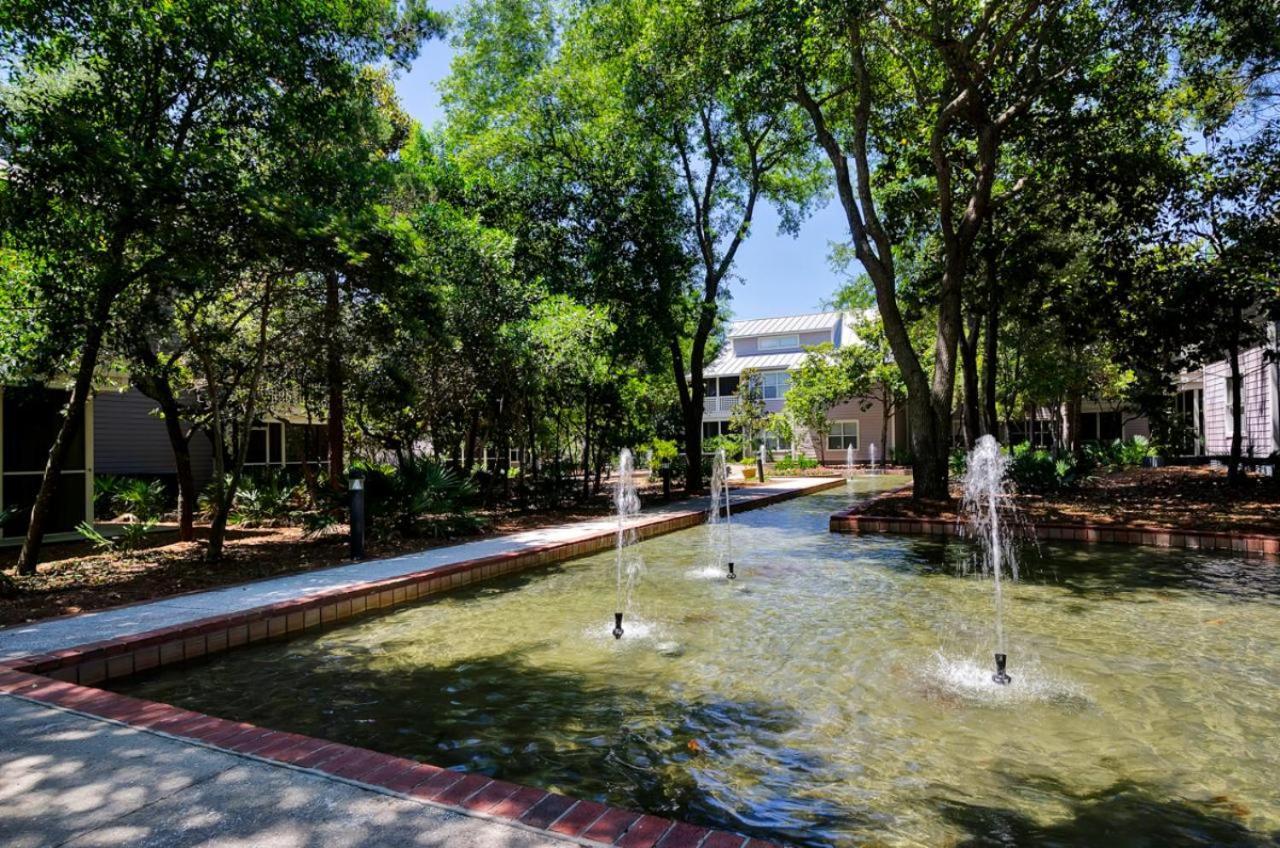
{"x": 420, "y": 495}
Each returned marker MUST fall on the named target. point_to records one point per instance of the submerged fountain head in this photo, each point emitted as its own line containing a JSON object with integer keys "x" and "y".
{"x": 732, "y": 576}
{"x": 1000, "y": 676}
{"x": 617, "y": 625}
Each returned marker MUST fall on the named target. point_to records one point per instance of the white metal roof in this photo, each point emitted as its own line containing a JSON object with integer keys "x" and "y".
{"x": 728, "y": 363}
{"x": 785, "y": 324}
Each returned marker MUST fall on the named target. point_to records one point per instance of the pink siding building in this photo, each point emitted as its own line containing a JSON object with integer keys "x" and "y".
{"x": 775, "y": 347}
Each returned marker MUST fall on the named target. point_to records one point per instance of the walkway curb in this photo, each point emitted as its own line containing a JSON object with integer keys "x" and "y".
{"x": 65, "y": 679}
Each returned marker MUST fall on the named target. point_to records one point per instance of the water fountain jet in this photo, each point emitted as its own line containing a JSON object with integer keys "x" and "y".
{"x": 627, "y": 561}
{"x": 719, "y": 513}
{"x": 986, "y": 492}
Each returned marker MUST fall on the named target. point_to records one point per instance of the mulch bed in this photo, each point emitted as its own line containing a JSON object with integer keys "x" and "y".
{"x": 1191, "y": 498}
{"x": 74, "y": 578}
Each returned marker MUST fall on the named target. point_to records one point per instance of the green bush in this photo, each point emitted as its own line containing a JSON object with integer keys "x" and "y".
{"x": 266, "y": 500}
{"x": 1120, "y": 453}
{"x": 131, "y": 536}
{"x": 958, "y": 462}
{"x": 799, "y": 463}
{"x": 732, "y": 446}
{"x": 420, "y": 497}
{"x": 142, "y": 498}
{"x": 1039, "y": 471}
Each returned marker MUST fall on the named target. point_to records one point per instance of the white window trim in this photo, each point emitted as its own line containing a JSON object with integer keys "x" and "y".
{"x": 787, "y": 342}
{"x": 857, "y": 435}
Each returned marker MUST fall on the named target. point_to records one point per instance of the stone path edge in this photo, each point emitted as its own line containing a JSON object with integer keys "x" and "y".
{"x": 66, "y": 679}
{"x": 861, "y": 518}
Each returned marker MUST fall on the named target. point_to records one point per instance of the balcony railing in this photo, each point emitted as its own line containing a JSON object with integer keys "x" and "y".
{"x": 713, "y": 405}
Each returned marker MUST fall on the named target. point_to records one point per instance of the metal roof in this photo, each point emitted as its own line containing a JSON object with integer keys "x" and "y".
{"x": 729, "y": 363}
{"x": 785, "y": 324}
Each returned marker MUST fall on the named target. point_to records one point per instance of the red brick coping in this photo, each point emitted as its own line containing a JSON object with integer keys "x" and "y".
{"x": 66, "y": 679}
{"x": 861, "y": 518}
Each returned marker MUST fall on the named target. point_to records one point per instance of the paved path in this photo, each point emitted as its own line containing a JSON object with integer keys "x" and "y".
{"x": 68, "y": 780}
{"x": 42, "y": 637}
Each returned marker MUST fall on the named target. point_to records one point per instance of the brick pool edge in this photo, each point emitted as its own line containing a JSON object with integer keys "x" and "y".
{"x": 66, "y": 679}
{"x": 861, "y": 518}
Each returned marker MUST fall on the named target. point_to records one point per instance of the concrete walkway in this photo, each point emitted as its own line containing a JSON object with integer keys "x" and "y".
{"x": 71, "y": 779}
{"x": 68, "y": 780}
{"x": 43, "y": 637}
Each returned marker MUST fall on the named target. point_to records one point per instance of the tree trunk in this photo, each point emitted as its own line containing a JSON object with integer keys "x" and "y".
{"x": 930, "y": 448}
{"x": 886, "y": 408}
{"x": 72, "y": 420}
{"x": 586, "y": 450}
{"x": 153, "y": 382}
{"x": 1072, "y": 438}
{"x": 969, "y": 366}
{"x": 1235, "y": 474}
{"x": 990, "y": 351}
{"x": 335, "y": 424}
{"x": 218, "y": 527}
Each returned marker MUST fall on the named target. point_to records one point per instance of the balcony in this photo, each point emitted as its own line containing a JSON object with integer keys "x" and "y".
{"x": 719, "y": 405}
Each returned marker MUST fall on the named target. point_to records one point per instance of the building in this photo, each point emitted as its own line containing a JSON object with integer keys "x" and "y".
{"x": 1211, "y": 407}
{"x": 122, "y": 434}
{"x": 775, "y": 347}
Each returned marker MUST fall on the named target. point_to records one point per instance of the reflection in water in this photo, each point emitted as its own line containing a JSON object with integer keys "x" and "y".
{"x": 840, "y": 695}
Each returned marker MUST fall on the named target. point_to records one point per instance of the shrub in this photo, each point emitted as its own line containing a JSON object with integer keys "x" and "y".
{"x": 105, "y": 487}
{"x": 799, "y": 463}
{"x": 265, "y": 501}
{"x": 1119, "y": 453}
{"x": 958, "y": 462}
{"x": 131, "y": 537}
{"x": 732, "y": 446}
{"x": 144, "y": 499}
{"x": 421, "y": 496}
{"x": 1039, "y": 471}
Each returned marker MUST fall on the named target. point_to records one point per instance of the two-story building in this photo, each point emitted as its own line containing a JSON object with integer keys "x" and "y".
{"x": 775, "y": 347}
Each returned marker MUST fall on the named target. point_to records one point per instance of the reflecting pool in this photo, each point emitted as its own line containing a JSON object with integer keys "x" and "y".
{"x": 838, "y": 692}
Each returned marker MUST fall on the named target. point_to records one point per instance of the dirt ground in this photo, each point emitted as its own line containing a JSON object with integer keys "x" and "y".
{"x": 1142, "y": 497}
{"x": 73, "y": 577}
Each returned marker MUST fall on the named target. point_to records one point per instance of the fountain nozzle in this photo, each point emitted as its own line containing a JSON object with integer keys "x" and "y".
{"x": 617, "y": 625}
{"x": 1000, "y": 676}
{"x": 732, "y": 576}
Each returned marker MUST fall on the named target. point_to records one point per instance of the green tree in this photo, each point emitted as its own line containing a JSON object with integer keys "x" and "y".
{"x": 749, "y": 416}
{"x": 914, "y": 105}
{"x": 133, "y": 136}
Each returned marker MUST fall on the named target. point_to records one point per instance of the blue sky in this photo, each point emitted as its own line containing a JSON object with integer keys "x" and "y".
{"x": 777, "y": 274}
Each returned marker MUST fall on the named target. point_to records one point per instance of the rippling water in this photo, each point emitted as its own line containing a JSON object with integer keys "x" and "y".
{"x": 838, "y": 692}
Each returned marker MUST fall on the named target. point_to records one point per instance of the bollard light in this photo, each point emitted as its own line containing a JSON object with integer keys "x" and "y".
{"x": 355, "y": 487}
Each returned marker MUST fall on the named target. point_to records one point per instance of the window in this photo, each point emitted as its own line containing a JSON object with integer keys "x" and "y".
{"x": 844, "y": 434}
{"x": 775, "y": 384}
{"x": 773, "y": 443}
{"x": 778, "y": 342}
{"x": 266, "y": 444}
{"x": 1229, "y": 425}
{"x": 1100, "y": 426}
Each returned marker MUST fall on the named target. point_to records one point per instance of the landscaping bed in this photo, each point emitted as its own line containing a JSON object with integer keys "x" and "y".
{"x": 1198, "y": 498}
{"x": 74, "y": 578}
